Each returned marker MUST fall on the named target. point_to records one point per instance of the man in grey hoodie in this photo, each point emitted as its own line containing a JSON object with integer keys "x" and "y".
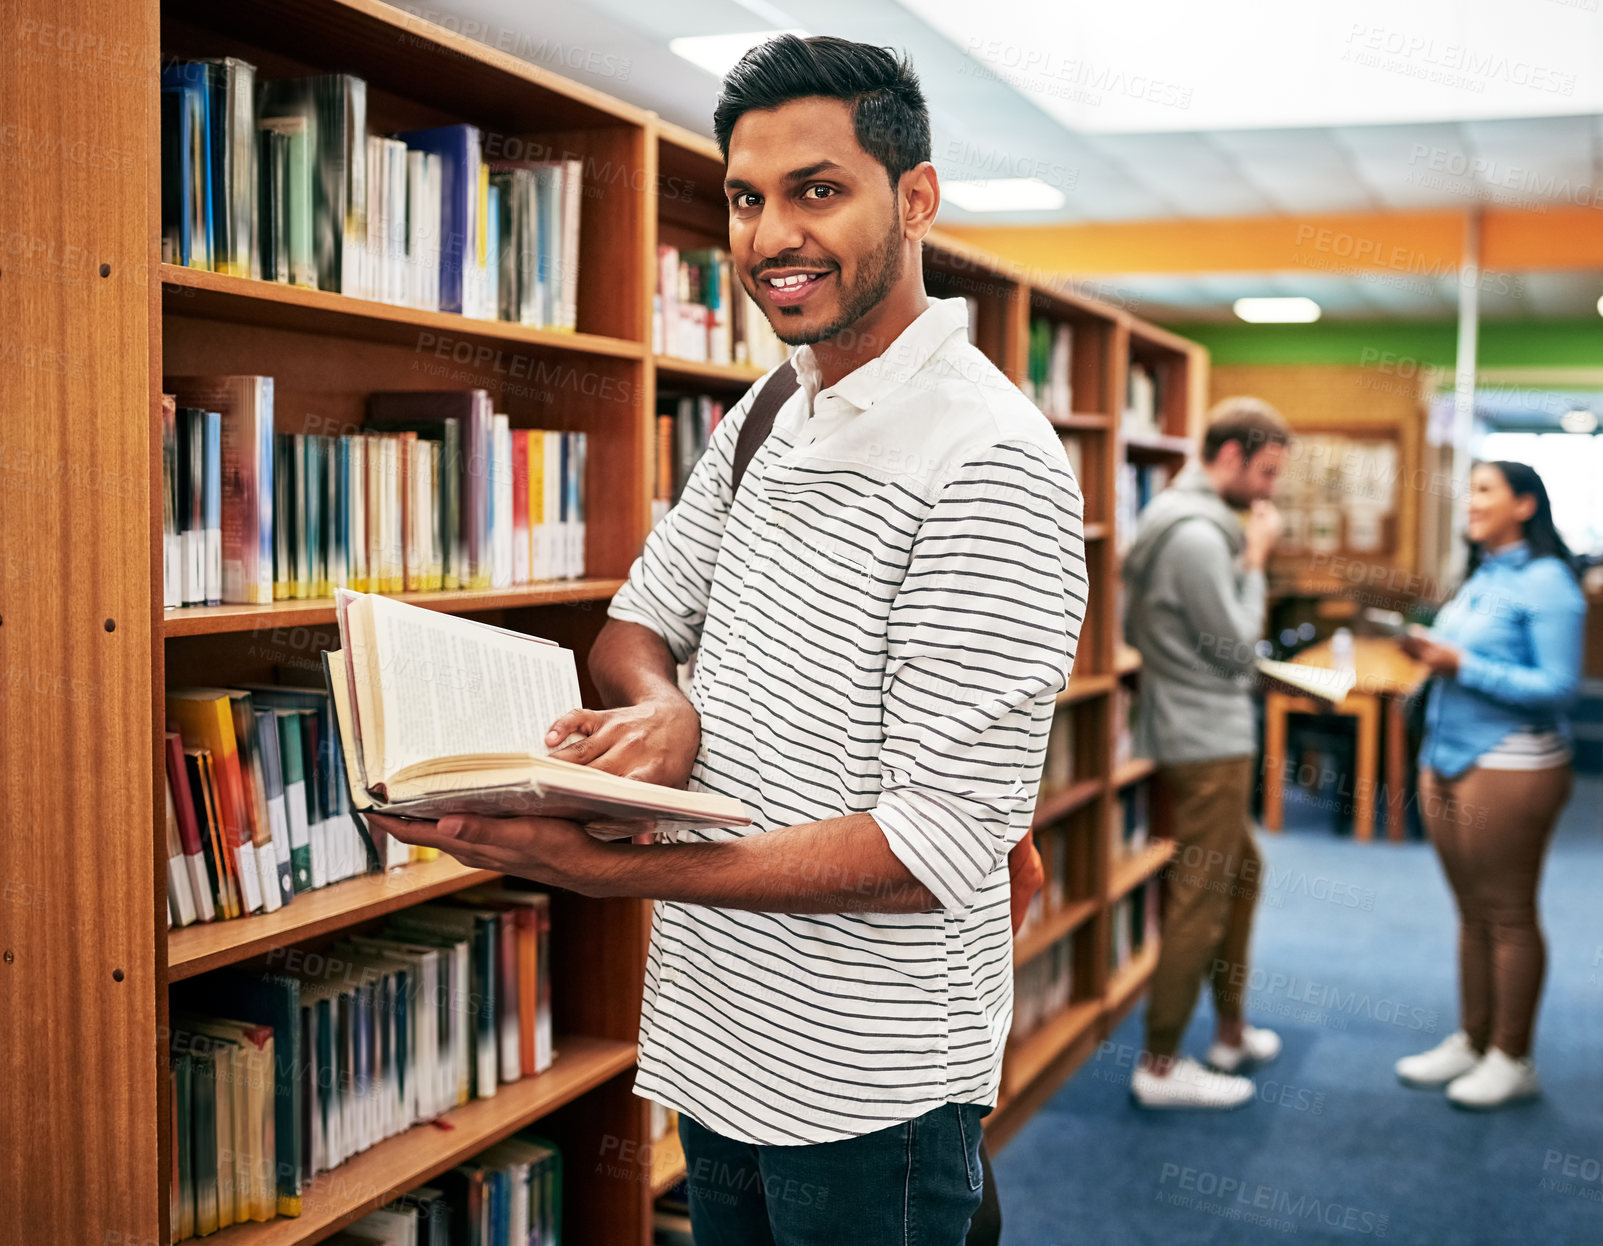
{"x": 1194, "y": 590}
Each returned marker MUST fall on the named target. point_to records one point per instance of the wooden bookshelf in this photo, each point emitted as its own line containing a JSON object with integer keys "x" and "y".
{"x": 667, "y": 1163}
{"x": 89, "y": 650}
{"x": 210, "y": 945}
{"x": 1135, "y": 869}
{"x": 1065, "y": 921}
{"x": 1052, "y": 806}
{"x": 387, "y": 1170}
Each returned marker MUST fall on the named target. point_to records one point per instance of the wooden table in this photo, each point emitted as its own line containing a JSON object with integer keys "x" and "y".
{"x": 1385, "y": 676}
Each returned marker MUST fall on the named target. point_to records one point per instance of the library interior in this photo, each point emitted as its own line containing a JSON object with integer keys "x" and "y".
{"x": 595, "y": 744}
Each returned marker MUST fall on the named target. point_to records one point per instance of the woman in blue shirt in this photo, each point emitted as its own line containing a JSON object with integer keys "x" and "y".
{"x": 1495, "y": 773}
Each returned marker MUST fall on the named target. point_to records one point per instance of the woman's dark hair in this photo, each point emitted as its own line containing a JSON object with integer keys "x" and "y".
{"x": 888, "y": 109}
{"x": 1539, "y": 531}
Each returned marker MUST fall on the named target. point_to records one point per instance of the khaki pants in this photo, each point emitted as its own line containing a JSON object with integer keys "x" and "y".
{"x": 1212, "y": 888}
{"x": 1491, "y": 829}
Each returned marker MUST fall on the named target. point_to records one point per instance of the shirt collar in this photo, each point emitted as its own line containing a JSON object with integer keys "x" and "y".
{"x": 1514, "y": 554}
{"x": 897, "y": 364}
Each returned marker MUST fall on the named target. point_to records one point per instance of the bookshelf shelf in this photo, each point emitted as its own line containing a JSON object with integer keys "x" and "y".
{"x": 1125, "y": 983}
{"x": 434, "y": 335}
{"x": 1057, "y": 805}
{"x": 1132, "y": 772}
{"x": 1126, "y": 660}
{"x": 1082, "y": 423}
{"x": 1083, "y": 687}
{"x": 1027, "y": 1060}
{"x": 1157, "y": 446}
{"x": 209, "y": 620}
{"x": 393, "y": 1166}
{"x": 1098, "y": 531}
{"x": 741, "y": 374}
{"x": 1052, "y": 928}
{"x": 1135, "y": 869}
{"x": 210, "y": 945}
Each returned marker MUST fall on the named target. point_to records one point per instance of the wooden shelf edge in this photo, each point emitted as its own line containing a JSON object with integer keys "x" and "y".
{"x": 197, "y": 948}
{"x": 1157, "y": 444}
{"x": 208, "y": 620}
{"x": 727, "y": 373}
{"x": 1026, "y": 1060}
{"x": 687, "y": 139}
{"x": 1133, "y": 771}
{"x": 1130, "y": 873}
{"x": 1126, "y": 660}
{"x": 1123, "y": 985}
{"x": 251, "y": 301}
{"x": 1082, "y": 687}
{"x": 1081, "y": 423}
{"x": 369, "y": 1180}
{"x": 1053, "y": 927}
{"x": 1097, "y": 531}
{"x": 667, "y": 1164}
{"x": 1051, "y": 808}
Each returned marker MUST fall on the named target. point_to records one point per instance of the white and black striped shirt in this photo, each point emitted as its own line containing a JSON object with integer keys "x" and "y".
{"x": 882, "y": 619}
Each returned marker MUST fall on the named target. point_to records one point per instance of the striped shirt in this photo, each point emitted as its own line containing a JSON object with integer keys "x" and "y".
{"x": 882, "y": 618}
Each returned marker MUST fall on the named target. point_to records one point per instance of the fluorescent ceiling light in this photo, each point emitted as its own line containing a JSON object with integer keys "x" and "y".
{"x": 1003, "y": 194}
{"x": 1578, "y": 422}
{"x": 1277, "y": 311}
{"x": 718, "y": 54}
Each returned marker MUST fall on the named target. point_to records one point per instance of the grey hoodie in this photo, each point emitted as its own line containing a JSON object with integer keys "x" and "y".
{"x": 1195, "y": 616}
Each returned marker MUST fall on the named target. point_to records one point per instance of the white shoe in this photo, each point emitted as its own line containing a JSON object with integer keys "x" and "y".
{"x": 1496, "y": 1082}
{"x": 1433, "y": 1069}
{"x": 1189, "y": 1085}
{"x": 1257, "y": 1047}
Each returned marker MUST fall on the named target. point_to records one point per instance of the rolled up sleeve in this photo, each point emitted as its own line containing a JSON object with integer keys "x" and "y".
{"x": 984, "y": 627}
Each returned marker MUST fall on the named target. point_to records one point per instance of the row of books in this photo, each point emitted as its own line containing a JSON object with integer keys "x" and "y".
{"x": 1126, "y": 716}
{"x": 281, "y": 181}
{"x": 257, "y": 808}
{"x": 702, "y": 313}
{"x": 436, "y": 490}
{"x": 1142, "y": 396}
{"x": 1132, "y": 825}
{"x": 1135, "y": 925}
{"x": 684, "y": 426}
{"x": 1043, "y": 986}
{"x": 507, "y": 1195}
{"x": 284, "y": 1074}
{"x": 1047, "y": 375}
{"x": 1057, "y": 771}
{"x": 1135, "y": 485}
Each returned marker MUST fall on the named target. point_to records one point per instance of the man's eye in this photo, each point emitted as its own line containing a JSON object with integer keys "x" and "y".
{"x": 825, "y": 192}
{"x": 745, "y": 199}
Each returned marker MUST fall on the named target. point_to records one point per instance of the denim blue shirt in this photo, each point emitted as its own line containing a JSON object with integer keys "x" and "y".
{"x": 1518, "y": 622}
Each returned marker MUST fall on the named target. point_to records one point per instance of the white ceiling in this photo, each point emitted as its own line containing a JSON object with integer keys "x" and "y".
{"x": 1479, "y": 141}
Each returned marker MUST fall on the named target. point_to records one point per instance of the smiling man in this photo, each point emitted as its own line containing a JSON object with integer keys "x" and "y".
{"x": 883, "y": 610}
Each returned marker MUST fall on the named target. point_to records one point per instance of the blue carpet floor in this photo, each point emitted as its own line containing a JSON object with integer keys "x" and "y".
{"x": 1354, "y": 966}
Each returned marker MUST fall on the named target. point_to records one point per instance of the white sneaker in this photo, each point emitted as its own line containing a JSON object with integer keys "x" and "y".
{"x": 1257, "y": 1047}
{"x": 1433, "y": 1069}
{"x": 1189, "y": 1085}
{"x": 1496, "y": 1082}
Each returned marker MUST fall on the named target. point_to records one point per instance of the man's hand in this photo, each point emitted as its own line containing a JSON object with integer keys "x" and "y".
{"x": 548, "y": 850}
{"x": 1025, "y": 875}
{"x": 1263, "y": 530}
{"x": 655, "y": 741}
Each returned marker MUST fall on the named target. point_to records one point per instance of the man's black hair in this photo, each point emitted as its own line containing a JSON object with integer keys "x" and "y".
{"x": 888, "y": 109}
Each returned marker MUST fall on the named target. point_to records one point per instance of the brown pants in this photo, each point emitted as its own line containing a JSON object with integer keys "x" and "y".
{"x": 1212, "y": 888}
{"x": 1491, "y": 828}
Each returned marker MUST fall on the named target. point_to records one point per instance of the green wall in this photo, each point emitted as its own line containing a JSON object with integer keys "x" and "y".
{"x": 1503, "y": 344}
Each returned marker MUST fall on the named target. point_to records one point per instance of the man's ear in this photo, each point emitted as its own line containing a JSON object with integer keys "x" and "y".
{"x": 918, "y": 199}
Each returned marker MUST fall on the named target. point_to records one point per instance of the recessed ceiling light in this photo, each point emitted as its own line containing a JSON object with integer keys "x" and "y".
{"x": 1003, "y": 194}
{"x": 1278, "y": 310}
{"x": 1578, "y": 422}
{"x": 718, "y": 54}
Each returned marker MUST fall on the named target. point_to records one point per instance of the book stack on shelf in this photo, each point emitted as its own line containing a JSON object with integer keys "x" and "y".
{"x": 1126, "y": 714}
{"x": 1057, "y": 770}
{"x": 702, "y": 313}
{"x": 684, "y": 426}
{"x": 436, "y": 490}
{"x": 1132, "y": 827}
{"x": 1042, "y": 987}
{"x": 284, "y": 1072}
{"x": 1047, "y": 380}
{"x": 507, "y": 1195}
{"x": 1141, "y": 401}
{"x": 1135, "y": 925}
{"x": 280, "y": 180}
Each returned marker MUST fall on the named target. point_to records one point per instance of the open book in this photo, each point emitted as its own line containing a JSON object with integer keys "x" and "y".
{"x": 1299, "y": 679}
{"x": 441, "y": 715}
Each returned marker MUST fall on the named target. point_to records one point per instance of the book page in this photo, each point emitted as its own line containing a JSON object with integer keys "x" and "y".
{"x": 448, "y": 686}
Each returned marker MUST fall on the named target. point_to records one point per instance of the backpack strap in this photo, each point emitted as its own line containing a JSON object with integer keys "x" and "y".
{"x": 760, "y": 419}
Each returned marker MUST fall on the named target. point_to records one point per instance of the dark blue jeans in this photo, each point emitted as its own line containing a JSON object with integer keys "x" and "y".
{"x": 913, "y": 1184}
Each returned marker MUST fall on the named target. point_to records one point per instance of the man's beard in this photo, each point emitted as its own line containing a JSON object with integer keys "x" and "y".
{"x": 877, "y": 275}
